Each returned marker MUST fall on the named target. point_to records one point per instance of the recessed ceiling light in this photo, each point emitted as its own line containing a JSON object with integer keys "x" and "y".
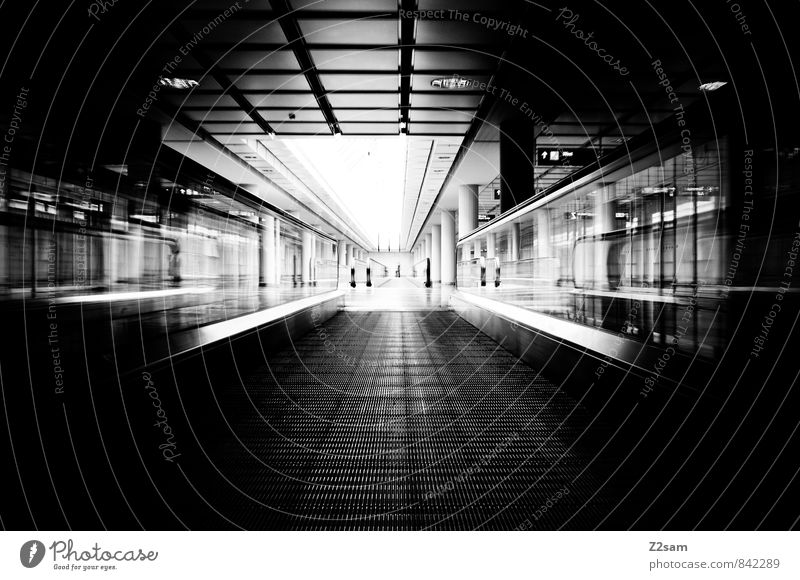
{"x": 712, "y": 86}
{"x": 454, "y": 82}
{"x": 176, "y": 83}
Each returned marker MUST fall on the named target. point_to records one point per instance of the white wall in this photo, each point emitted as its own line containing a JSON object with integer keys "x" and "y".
{"x": 392, "y": 259}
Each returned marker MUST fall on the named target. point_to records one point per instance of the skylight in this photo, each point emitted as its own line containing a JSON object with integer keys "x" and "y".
{"x": 366, "y": 175}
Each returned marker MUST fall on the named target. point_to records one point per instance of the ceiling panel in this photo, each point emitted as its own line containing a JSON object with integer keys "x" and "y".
{"x": 282, "y": 115}
{"x": 446, "y": 100}
{"x": 349, "y": 32}
{"x": 442, "y": 116}
{"x": 297, "y": 101}
{"x": 365, "y": 101}
{"x": 368, "y": 115}
{"x": 372, "y": 82}
{"x": 303, "y": 128}
{"x": 354, "y": 59}
{"x": 256, "y": 59}
{"x": 370, "y": 128}
{"x": 455, "y": 60}
{"x": 258, "y": 82}
{"x": 453, "y": 32}
{"x": 438, "y": 129}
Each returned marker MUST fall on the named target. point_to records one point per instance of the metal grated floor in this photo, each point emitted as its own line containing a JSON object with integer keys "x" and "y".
{"x": 404, "y": 420}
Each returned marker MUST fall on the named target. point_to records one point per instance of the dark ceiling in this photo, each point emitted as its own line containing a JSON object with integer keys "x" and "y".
{"x": 359, "y": 67}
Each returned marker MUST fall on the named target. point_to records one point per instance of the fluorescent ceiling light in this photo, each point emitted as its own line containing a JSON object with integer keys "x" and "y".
{"x": 176, "y": 83}
{"x": 454, "y": 82}
{"x": 712, "y": 86}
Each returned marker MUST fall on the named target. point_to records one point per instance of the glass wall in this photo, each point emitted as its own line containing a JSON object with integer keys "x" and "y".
{"x": 639, "y": 253}
{"x": 193, "y": 239}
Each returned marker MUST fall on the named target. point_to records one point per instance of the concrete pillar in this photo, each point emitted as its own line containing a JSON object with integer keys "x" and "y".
{"x": 491, "y": 252}
{"x": 306, "y": 254}
{"x": 268, "y": 251}
{"x": 278, "y": 254}
{"x": 513, "y": 243}
{"x": 350, "y": 254}
{"x": 467, "y": 209}
{"x": 342, "y": 253}
{"x": 477, "y": 245}
{"x": 448, "y": 248}
{"x": 436, "y": 253}
{"x": 517, "y": 147}
{"x": 605, "y": 221}
{"x": 428, "y": 245}
{"x": 543, "y": 234}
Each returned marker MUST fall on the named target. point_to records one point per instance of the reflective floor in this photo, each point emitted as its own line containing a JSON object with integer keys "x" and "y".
{"x": 397, "y": 294}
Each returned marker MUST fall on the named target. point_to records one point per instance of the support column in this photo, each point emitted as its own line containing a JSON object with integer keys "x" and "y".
{"x": 278, "y": 254}
{"x": 517, "y": 150}
{"x": 350, "y": 254}
{"x": 604, "y": 221}
{"x": 428, "y": 245}
{"x": 513, "y": 244}
{"x": 491, "y": 251}
{"x": 305, "y": 256}
{"x": 436, "y": 254}
{"x": 467, "y": 209}
{"x": 268, "y": 251}
{"x": 342, "y": 253}
{"x": 448, "y": 248}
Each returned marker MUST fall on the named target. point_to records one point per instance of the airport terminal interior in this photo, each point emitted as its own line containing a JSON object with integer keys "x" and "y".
{"x": 399, "y": 265}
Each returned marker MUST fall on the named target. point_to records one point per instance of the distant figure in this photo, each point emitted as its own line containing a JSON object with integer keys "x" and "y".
{"x": 174, "y": 269}
{"x": 397, "y": 272}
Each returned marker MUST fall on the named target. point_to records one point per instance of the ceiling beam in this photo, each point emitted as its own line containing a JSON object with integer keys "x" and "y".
{"x": 210, "y": 68}
{"x": 407, "y": 36}
{"x": 296, "y": 40}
